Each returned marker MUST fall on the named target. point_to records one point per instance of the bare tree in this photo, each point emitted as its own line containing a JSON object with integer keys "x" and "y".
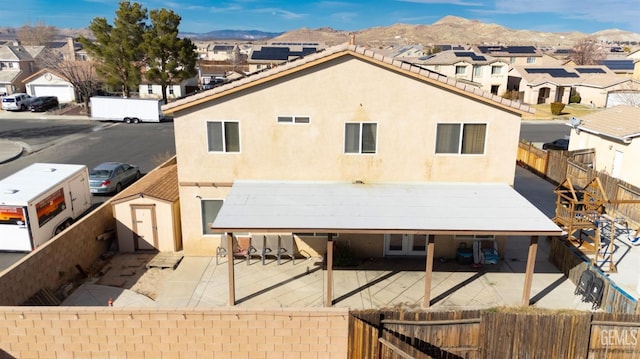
{"x": 81, "y": 74}
{"x": 587, "y": 51}
{"x": 37, "y": 35}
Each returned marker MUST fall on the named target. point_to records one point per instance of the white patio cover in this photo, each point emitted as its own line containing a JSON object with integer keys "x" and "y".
{"x": 342, "y": 207}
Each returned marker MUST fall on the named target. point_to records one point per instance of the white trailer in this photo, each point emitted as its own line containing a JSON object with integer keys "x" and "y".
{"x": 129, "y": 110}
{"x": 40, "y": 201}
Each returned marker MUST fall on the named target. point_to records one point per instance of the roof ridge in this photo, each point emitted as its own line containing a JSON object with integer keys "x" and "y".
{"x": 363, "y": 51}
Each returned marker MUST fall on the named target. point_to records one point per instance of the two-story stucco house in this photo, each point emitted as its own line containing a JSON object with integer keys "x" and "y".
{"x": 16, "y": 63}
{"x": 614, "y": 133}
{"x": 519, "y": 55}
{"x": 488, "y": 73}
{"x": 434, "y": 159}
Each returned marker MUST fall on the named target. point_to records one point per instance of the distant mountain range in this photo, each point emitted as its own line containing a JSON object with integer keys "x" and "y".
{"x": 244, "y": 35}
{"x": 453, "y": 30}
{"x": 448, "y": 30}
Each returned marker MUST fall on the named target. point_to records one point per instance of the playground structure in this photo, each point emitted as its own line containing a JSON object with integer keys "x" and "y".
{"x": 585, "y": 213}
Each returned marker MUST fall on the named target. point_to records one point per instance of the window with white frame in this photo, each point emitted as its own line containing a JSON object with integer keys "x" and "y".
{"x": 223, "y": 136}
{"x": 209, "y": 209}
{"x": 294, "y": 119}
{"x": 477, "y": 71}
{"x": 360, "y": 137}
{"x": 460, "y": 69}
{"x": 170, "y": 89}
{"x": 512, "y": 60}
{"x": 461, "y": 138}
{"x": 149, "y": 89}
{"x": 496, "y": 70}
{"x": 531, "y": 60}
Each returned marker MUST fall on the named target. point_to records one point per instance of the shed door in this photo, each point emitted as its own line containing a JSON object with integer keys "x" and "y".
{"x": 145, "y": 229}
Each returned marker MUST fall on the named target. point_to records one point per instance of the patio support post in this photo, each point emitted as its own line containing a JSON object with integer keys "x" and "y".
{"x": 328, "y": 300}
{"x": 232, "y": 280}
{"x": 531, "y": 262}
{"x": 428, "y": 272}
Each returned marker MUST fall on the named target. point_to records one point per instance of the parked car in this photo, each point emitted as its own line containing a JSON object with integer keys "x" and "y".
{"x": 16, "y": 102}
{"x": 112, "y": 177}
{"x": 43, "y": 103}
{"x": 559, "y": 144}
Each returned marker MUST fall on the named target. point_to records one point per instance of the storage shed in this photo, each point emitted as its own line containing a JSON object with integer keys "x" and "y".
{"x": 148, "y": 212}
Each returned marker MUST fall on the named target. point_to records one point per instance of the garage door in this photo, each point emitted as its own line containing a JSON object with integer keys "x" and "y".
{"x": 630, "y": 98}
{"x": 63, "y": 93}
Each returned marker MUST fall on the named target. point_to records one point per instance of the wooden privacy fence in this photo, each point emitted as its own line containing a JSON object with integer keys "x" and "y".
{"x": 499, "y": 333}
{"x": 572, "y": 263}
{"x": 578, "y": 167}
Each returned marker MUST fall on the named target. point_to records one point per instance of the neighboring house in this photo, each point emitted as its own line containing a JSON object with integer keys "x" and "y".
{"x": 488, "y": 73}
{"x": 409, "y": 51}
{"x": 70, "y": 50}
{"x": 264, "y": 57}
{"x": 350, "y": 117}
{"x": 212, "y": 73}
{"x": 16, "y": 63}
{"x": 622, "y": 67}
{"x": 220, "y": 52}
{"x": 519, "y": 55}
{"x": 148, "y": 89}
{"x": 614, "y": 133}
{"x": 50, "y": 83}
{"x": 595, "y": 84}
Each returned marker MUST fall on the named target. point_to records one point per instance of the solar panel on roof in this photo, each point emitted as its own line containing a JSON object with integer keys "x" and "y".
{"x": 553, "y": 72}
{"x": 590, "y": 70}
{"x": 470, "y": 54}
{"x": 520, "y": 49}
{"x": 618, "y": 64}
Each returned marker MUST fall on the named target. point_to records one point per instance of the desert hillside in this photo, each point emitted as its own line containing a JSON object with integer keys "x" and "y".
{"x": 451, "y": 30}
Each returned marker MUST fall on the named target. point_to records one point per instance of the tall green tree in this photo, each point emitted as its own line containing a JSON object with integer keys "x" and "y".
{"x": 117, "y": 49}
{"x": 169, "y": 59}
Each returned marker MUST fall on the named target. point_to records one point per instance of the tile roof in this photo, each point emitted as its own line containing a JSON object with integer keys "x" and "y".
{"x": 593, "y": 76}
{"x": 338, "y": 51}
{"x": 161, "y": 183}
{"x": 620, "y": 122}
{"x": 451, "y": 57}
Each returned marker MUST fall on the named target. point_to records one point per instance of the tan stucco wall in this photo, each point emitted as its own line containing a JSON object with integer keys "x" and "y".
{"x": 104, "y": 332}
{"x": 605, "y": 154}
{"x": 166, "y": 220}
{"x": 53, "y": 264}
{"x": 406, "y": 111}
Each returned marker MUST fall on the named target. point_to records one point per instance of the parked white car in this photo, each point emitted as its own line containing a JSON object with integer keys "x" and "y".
{"x": 16, "y": 102}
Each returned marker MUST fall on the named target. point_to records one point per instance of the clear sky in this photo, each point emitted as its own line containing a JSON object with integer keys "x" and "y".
{"x": 586, "y": 16}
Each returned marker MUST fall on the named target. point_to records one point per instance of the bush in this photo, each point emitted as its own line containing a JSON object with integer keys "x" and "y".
{"x": 557, "y": 107}
{"x": 575, "y": 98}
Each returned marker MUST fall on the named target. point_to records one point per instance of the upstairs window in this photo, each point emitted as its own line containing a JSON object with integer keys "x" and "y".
{"x": 360, "y": 137}
{"x": 531, "y": 60}
{"x": 150, "y": 89}
{"x": 460, "y": 70}
{"x": 223, "y": 136}
{"x": 477, "y": 71}
{"x": 496, "y": 70}
{"x": 294, "y": 119}
{"x": 461, "y": 138}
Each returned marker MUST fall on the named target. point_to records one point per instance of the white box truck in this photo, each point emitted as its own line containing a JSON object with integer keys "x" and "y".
{"x": 129, "y": 110}
{"x": 40, "y": 201}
